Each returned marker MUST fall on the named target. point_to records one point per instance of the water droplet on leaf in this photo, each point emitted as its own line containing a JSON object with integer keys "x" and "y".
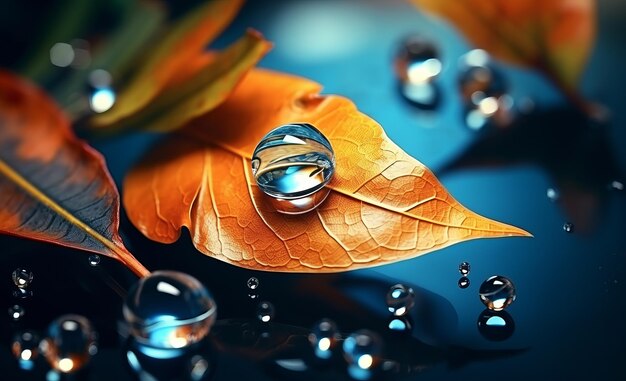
{"x": 292, "y": 165}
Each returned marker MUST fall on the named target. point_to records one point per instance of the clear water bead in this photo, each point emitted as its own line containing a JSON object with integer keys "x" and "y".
{"x": 568, "y": 227}
{"x": 362, "y": 349}
{"x": 417, "y": 60}
{"x": 464, "y": 282}
{"x": 253, "y": 283}
{"x": 169, "y": 309}
{"x": 265, "y": 311}
{"x": 70, "y": 343}
{"x": 464, "y": 268}
{"x": 94, "y": 260}
{"x": 400, "y": 299}
{"x": 324, "y": 337}
{"x": 22, "y": 277}
{"x": 292, "y": 164}
{"x": 16, "y": 312}
{"x": 495, "y": 325}
{"x": 497, "y": 292}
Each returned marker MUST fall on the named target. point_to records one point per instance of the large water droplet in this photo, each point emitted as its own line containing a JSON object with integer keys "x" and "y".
{"x": 495, "y": 325}
{"x": 400, "y": 299}
{"x": 362, "y": 350}
{"x": 568, "y": 227}
{"x": 169, "y": 310}
{"x": 253, "y": 283}
{"x": 22, "y": 277}
{"x": 464, "y": 268}
{"x": 497, "y": 292}
{"x": 69, "y": 344}
{"x": 265, "y": 311}
{"x": 292, "y": 165}
{"x": 324, "y": 337}
{"x": 25, "y": 348}
{"x": 464, "y": 282}
{"x": 16, "y": 312}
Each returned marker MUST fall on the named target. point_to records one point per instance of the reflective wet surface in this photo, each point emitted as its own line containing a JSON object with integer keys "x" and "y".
{"x": 549, "y": 167}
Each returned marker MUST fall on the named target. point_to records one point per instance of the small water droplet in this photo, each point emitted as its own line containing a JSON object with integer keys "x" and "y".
{"x": 464, "y": 282}
{"x": 553, "y": 194}
{"x": 253, "y": 295}
{"x": 265, "y": 312}
{"x": 169, "y": 310}
{"x": 94, "y": 260}
{"x": 199, "y": 368}
{"x": 22, "y": 277}
{"x": 253, "y": 283}
{"x": 324, "y": 337}
{"x": 400, "y": 299}
{"x": 22, "y": 293}
{"x": 400, "y": 324}
{"x": 568, "y": 227}
{"x": 417, "y": 60}
{"x": 464, "y": 268}
{"x": 68, "y": 343}
{"x": 362, "y": 350}
{"x": 25, "y": 348}
{"x": 617, "y": 185}
{"x": 497, "y": 292}
{"x": 16, "y": 312}
{"x": 495, "y": 325}
{"x": 287, "y": 169}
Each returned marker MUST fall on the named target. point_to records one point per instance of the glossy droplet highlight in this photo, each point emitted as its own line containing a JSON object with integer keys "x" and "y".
{"x": 362, "y": 350}
{"x": 617, "y": 185}
{"x": 22, "y": 293}
{"x": 400, "y": 324}
{"x": 169, "y": 310}
{"x": 292, "y": 165}
{"x": 16, "y": 312}
{"x": 25, "y": 348}
{"x": 265, "y": 311}
{"x": 69, "y": 344}
{"x": 400, "y": 299}
{"x": 497, "y": 293}
{"x": 495, "y": 325}
{"x": 253, "y": 283}
{"x": 568, "y": 227}
{"x": 94, "y": 260}
{"x": 464, "y": 282}
{"x": 22, "y": 277}
{"x": 553, "y": 194}
{"x": 464, "y": 268}
{"x": 323, "y": 338}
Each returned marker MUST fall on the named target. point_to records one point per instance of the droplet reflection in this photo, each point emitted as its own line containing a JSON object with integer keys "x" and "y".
{"x": 495, "y": 325}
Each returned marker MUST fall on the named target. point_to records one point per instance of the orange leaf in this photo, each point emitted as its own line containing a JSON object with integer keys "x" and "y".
{"x": 554, "y": 36}
{"x": 384, "y": 205}
{"x": 183, "y": 42}
{"x": 54, "y": 187}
